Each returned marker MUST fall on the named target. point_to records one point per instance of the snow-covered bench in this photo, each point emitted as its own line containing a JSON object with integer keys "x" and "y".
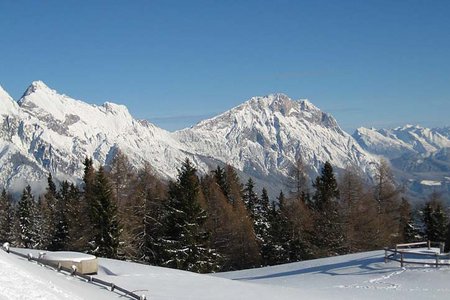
{"x": 84, "y": 263}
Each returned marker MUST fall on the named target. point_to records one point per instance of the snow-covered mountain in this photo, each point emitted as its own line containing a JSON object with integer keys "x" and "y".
{"x": 399, "y": 141}
{"x": 266, "y": 135}
{"x": 45, "y": 131}
{"x": 49, "y": 132}
{"x": 419, "y": 155}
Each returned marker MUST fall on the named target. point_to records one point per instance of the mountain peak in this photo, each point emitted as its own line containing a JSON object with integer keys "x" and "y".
{"x": 35, "y": 86}
{"x": 4, "y": 94}
{"x": 7, "y": 104}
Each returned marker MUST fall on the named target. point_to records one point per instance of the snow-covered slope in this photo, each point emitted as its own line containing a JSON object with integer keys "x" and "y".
{"x": 354, "y": 276}
{"x": 49, "y": 132}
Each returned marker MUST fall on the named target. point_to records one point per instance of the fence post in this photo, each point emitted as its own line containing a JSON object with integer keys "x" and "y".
{"x": 401, "y": 259}
{"x": 429, "y": 245}
{"x": 437, "y": 260}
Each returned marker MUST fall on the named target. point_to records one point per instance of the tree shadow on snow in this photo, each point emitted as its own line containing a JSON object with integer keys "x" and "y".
{"x": 361, "y": 266}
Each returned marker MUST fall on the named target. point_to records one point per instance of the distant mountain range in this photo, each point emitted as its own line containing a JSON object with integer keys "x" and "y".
{"x": 45, "y": 131}
{"x": 420, "y": 156}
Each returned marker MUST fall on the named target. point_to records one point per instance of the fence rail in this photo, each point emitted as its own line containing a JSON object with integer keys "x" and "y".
{"x": 73, "y": 272}
{"x": 402, "y": 253}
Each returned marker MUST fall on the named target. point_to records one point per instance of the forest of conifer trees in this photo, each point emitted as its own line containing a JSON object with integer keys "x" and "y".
{"x": 215, "y": 222}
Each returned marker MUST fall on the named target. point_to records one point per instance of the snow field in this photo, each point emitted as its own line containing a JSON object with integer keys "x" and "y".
{"x": 353, "y": 276}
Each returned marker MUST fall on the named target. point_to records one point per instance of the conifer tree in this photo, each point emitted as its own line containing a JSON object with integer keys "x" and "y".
{"x": 328, "y": 222}
{"x": 6, "y": 217}
{"x": 262, "y": 225}
{"x": 105, "y": 220}
{"x": 300, "y": 226}
{"x": 42, "y": 224}
{"x": 300, "y": 178}
{"x": 244, "y": 250}
{"x": 124, "y": 183}
{"x": 86, "y": 209}
{"x": 358, "y": 211}
{"x": 48, "y": 210}
{"x": 61, "y": 235}
{"x": 221, "y": 178}
{"x": 258, "y": 208}
{"x": 435, "y": 219}
{"x": 250, "y": 197}
{"x": 233, "y": 188}
{"x": 387, "y": 196}
{"x": 220, "y": 220}
{"x": 77, "y": 218}
{"x": 407, "y": 228}
{"x": 187, "y": 241}
{"x": 278, "y": 245}
{"x": 26, "y": 234}
{"x": 149, "y": 212}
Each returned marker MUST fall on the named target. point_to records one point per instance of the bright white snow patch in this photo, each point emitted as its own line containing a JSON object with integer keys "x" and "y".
{"x": 430, "y": 182}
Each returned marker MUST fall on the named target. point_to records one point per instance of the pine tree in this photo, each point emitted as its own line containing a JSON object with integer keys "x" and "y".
{"x": 124, "y": 183}
{"x": 250, "y": 197}
{"x": 48, "y": 211}
{"x": 220, "y": 220}
{"x": 244, "y": 250}
{"x": 6, "y": 217}
{"x": 435, "y": 220}
{"x": 221, "y": 178}
{"x": 327, "y": 219}
{"x": 149, "y": 212}
{"x": 77, "y": 218}
{"x": 186, "y": 239}
{"x": 278, "y": 245}
{"x": 407, "y": 228}
{"x": 26, "y": 235}
{"x": 262, "y": 225}
{"x": 358, "y": 211}
{"x": 42, "y": 224}
{"x": 84, "y": 239}
{"x": 105, "y": 219}
{"x": 299, "y": 227}
{"x": 300, "y": 178}
{"x": 61, "y": 234}
{"x": 387, "y": 196}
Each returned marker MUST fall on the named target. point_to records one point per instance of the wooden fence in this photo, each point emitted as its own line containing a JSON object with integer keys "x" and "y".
{"x": 73, "y": 272}
{"x": 402, "y": 253}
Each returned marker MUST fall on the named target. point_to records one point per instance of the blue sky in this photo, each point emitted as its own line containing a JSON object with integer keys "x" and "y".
{"x": 369, "y": 63}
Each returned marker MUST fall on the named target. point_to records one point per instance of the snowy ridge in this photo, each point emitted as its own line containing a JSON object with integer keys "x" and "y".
{"x": 420, "y": 156}
{"x": 50, "y": 132}
{"x": 266, "y": 135}
{"x": 7, "y": 104}
{"x": 54, "y": 133}
{"x": 408, "y": 139}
